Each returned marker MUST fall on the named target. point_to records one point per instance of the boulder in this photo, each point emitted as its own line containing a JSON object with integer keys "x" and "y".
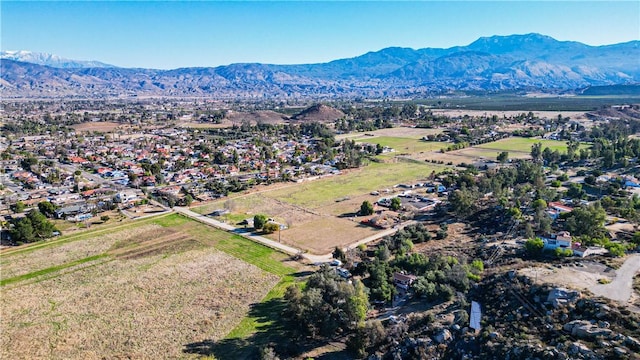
{"x": 443, "y": 336}
{"x": 583, "y": 329}
{"x": 562, "y": 295}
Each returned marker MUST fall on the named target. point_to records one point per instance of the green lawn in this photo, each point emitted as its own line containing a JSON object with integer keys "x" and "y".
{"x": 519, "y": 144}
{"x": 404, "y": 145}
{"x": 375, "y": 176}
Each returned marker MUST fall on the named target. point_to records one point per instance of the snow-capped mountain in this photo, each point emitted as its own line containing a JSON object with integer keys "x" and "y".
{"x": 50, "y": 60}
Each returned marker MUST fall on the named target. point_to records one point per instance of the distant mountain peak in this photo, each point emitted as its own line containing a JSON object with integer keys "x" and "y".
{"x": 52, "y": 60}
{"x": 526, "y": 61}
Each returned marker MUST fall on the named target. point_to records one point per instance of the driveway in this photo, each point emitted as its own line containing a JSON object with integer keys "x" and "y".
{"x": 620, "y": 288}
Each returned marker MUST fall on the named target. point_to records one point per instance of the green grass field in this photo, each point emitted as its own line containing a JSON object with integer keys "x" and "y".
{"x": 404, "y": 145}
{"x": 374, "y": 176}
{"x": 519, "y": 144}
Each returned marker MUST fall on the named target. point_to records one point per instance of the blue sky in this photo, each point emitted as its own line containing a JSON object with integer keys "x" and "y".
{"x": 175, "y": 34}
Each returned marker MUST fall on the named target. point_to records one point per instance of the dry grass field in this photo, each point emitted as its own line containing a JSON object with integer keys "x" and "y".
{"x": 104, "y": 126}
{"x": 143, "y": 291}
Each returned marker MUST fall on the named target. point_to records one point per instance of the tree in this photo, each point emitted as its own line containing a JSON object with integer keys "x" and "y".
{"x": 22, "y": 231}
{"x": 586, "y": 220}
{"x": 367, "y": 336}
{"x": 19, "y": 207}
{"x": 503, "y": 156}
{"x": 259, "y": 221}
{"x": 33, "y": 227}
{"x": 615, "y": 249}
{"x": 366, "y": 208}
{"x": 463, "y": 201}
{"x": 534, "y": 246}
{"x": 104, "y": 218}
{"x": 536, "y": 151}
{"x": 47, "y": 208}
{"x": 396, "y": 204}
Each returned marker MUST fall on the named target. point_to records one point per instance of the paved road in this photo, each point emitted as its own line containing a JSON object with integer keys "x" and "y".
{"x": 220, "y": 225}
{"x": 621, "y": 287}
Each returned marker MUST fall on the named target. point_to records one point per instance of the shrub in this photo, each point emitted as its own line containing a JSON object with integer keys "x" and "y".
{"x": 270, "y": 227}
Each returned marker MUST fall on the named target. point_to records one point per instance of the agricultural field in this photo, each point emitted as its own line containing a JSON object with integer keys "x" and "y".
{"x": 142, "y": 290}
{"x": 520, "y": 144}
{"x": 517, "y": 147}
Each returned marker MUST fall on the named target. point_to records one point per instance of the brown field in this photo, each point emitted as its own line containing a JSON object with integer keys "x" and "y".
{"x": 27, "y": 262}
{"x": 105, "y": 126}
{"x": 153, "y": 289}
{"x": 322, "y": 234}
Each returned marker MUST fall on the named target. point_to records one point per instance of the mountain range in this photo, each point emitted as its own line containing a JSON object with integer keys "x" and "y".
{"x": 516, "y": 62}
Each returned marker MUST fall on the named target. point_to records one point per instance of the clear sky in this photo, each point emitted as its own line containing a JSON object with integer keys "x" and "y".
{"x": 173, "y": 34}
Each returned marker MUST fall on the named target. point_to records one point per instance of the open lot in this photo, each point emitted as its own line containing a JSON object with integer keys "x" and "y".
{"x": 103, "y": 126}
{"x": 401, "y": 132}
{"x": 375, "y": 176}
{"x": 316, "y": 212}
{"x": 144, "y": 290}
{"x": 402, "y": 145}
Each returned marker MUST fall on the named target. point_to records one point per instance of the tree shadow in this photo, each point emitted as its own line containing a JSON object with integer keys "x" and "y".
{"x": 272, "y": 330}
{"x": 348, "y": 215}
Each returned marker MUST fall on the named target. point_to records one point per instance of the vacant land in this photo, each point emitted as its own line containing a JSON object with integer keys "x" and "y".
{"x": 402, "y": 145}
{"x": 375, "y": 176}
{"x": 401, "y": 132}
{"x": 145, "y": 290}
{"x": 104, "y": 126}
{"x": 319, "y": 213}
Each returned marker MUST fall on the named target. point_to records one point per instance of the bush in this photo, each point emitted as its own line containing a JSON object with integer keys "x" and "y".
{"x": 560, "y": 252}
{"x": 270, "y": 227}
{"x": 534, "y": 246}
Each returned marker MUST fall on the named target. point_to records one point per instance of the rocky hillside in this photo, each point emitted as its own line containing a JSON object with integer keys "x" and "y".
{"x": 529, "y": 61}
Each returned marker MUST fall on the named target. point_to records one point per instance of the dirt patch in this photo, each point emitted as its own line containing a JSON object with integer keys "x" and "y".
{"x": 577, "y": 277}
{"x": 323, "y": 233}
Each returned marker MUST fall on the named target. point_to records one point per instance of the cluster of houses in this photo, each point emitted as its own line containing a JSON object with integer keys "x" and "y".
{"x": 167, "y": 161}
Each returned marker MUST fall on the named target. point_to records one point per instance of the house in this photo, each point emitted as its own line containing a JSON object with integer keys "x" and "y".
{"x": 559, "y": 240}
{"x": 556, "y": 208}
{"x": 343, "y": 272}
{"x": 403, "y": 281}
{"x": 583, "y": 251}
{"x": 126, "y": 196}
